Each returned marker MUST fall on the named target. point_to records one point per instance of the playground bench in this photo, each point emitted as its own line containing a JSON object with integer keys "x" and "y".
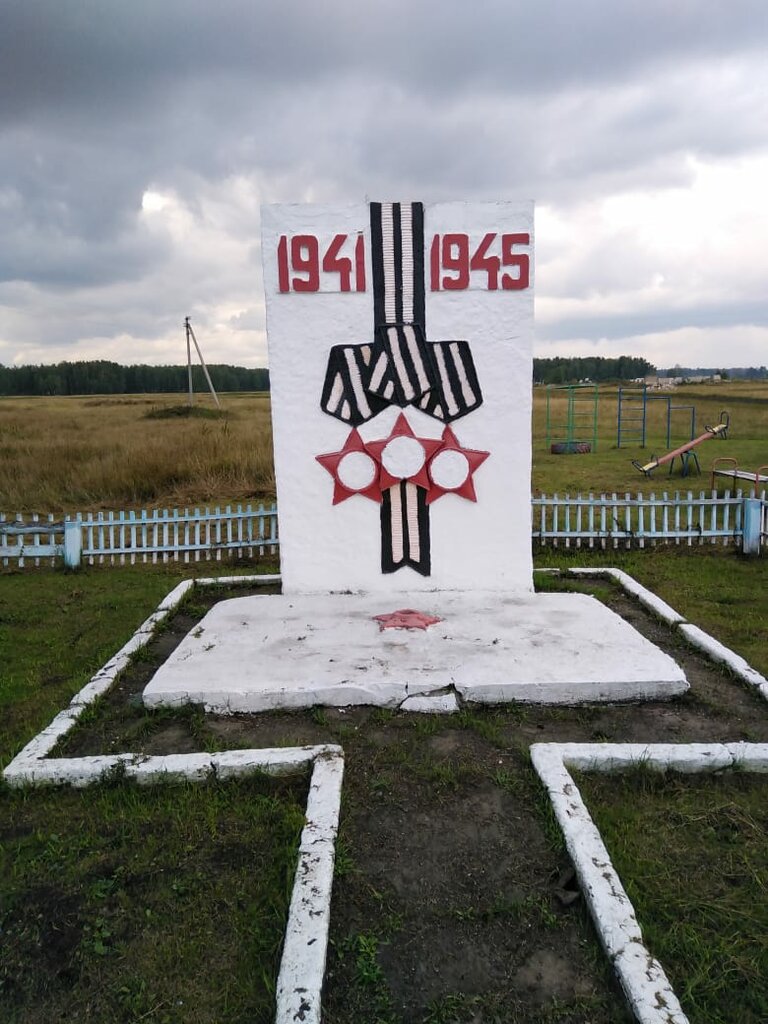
{"x": 760, "y": 476}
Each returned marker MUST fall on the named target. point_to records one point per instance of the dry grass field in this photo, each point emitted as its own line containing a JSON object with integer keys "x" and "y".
{"x": 70, "y": 454}
{"x": 114, "y": 452}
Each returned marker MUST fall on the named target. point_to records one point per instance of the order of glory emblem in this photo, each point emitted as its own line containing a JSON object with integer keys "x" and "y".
{"x": 403, "y": 472}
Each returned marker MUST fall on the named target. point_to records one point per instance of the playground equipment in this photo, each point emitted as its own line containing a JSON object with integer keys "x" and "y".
{"x": 577, "y": 433}
{"x": 686, "y": 452}
{"x": 760, "y": 476}
{"x": 632, "y": 419}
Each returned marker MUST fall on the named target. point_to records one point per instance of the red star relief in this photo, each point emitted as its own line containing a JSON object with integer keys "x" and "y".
{"x": 402, "y": 428}
{"x": 405, "y": 618}
{"x": 354, "y": 443}
{"x": 441, "y": 466}
{"x": 465, "y": 489}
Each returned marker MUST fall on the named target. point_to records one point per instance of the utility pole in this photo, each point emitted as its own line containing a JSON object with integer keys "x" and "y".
{"x": 188, "y": 330}
{"x": 191, "y": 334}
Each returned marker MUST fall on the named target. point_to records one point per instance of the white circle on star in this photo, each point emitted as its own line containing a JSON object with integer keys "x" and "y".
{"x": 356, "y": 471}
{"x": 403, "y": 457}
{"x": 449, "y": 469}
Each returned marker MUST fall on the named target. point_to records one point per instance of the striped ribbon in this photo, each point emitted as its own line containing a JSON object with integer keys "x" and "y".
{"x": 400, "y": 367}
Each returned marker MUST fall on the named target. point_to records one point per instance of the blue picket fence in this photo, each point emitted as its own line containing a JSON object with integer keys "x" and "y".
{"x": 248, "y": 532}
{"x": 644, "y": 520}
{"x": 147, "y": 535}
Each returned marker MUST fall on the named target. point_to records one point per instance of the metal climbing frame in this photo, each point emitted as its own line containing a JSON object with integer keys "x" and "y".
{"x": 632, "y": 420}
{"x": 574, "y": 428}
{"x": 690, "y": 409}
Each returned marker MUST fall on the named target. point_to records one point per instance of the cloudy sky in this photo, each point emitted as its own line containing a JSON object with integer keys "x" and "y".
{"x": 138, "y": 139}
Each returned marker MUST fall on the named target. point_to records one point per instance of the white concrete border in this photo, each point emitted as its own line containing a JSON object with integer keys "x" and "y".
{"x": 693, "y": 634}
{"x": 719, "y": 652}
{"x": 302, "y": 966}
{"x": 645, "y": 984}
{"x": 644, "y": 596}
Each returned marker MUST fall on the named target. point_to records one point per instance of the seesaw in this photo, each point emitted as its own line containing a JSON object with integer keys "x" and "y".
{"x": 686, "y": 452}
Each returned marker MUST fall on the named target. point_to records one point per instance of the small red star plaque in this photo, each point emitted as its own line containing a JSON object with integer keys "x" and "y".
{"x": 405, "y": 618}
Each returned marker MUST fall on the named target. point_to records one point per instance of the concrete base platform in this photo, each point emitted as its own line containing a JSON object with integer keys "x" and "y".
{"x": 259, "y": 653}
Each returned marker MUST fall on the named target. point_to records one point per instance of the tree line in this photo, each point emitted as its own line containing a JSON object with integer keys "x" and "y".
{"x": 102, "y": 377}
{"x": 591, "y": 369}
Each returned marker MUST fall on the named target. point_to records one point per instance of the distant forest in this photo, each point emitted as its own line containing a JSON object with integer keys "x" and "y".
{"x": 592, "y": 369}
{"x": 101, "y": 377}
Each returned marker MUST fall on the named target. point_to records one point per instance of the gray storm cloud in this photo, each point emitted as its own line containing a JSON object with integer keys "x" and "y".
{"x": 215, "y": 109}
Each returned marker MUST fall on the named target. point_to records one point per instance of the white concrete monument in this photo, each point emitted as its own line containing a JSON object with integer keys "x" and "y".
{"x": 400, "y": 348}
{"x": 400, "y": 343}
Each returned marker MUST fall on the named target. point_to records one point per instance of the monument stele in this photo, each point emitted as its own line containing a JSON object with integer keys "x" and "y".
{"x": 409, "y": 324}
{"x": 400, "y": 348}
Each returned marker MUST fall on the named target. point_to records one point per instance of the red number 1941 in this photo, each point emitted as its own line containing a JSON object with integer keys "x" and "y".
{"x": 299, "y": 264}
{"x": 452, "y": 262}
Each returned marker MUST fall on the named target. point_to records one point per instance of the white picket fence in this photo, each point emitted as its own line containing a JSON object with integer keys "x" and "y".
{"x": 192, "y": 535}
{"x": 148, "y": 535}
{"x": 639, "y": 520}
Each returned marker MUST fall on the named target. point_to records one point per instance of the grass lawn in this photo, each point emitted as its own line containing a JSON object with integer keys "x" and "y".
{"x": 692, "y": 853}
{"x": 120, "y": 903}
{"x": 165, "y": 904}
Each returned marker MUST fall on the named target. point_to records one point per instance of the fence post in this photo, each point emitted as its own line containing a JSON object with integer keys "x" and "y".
{"x": 751, "y": 522}
{"x": 73, "y": 544}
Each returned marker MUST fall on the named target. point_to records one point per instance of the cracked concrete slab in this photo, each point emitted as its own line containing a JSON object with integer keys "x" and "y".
{"x": 276, "y": 651}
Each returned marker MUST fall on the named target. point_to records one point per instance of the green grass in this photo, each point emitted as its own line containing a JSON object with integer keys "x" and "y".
{"x": 123, "y": 904}
{"x": 609, "y": 469}
{"x": 165, "y": 904}
{"x": 692, "y": 854}
{"x": 57, "y": 628}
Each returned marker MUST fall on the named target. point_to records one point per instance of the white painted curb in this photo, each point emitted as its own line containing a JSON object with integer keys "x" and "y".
{"x": 719, "y": 652}
{"x": 170, "y": 768}
{"x": 646, "y": 597}
{"x": 642, "y": 977}
{"x": 302, "y": 968}
{"x": 695, "y": 636}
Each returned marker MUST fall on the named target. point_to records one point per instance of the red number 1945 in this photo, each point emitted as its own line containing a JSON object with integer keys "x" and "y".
{"x": 299, "y": 263}
{"x": 451, "y": 262}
